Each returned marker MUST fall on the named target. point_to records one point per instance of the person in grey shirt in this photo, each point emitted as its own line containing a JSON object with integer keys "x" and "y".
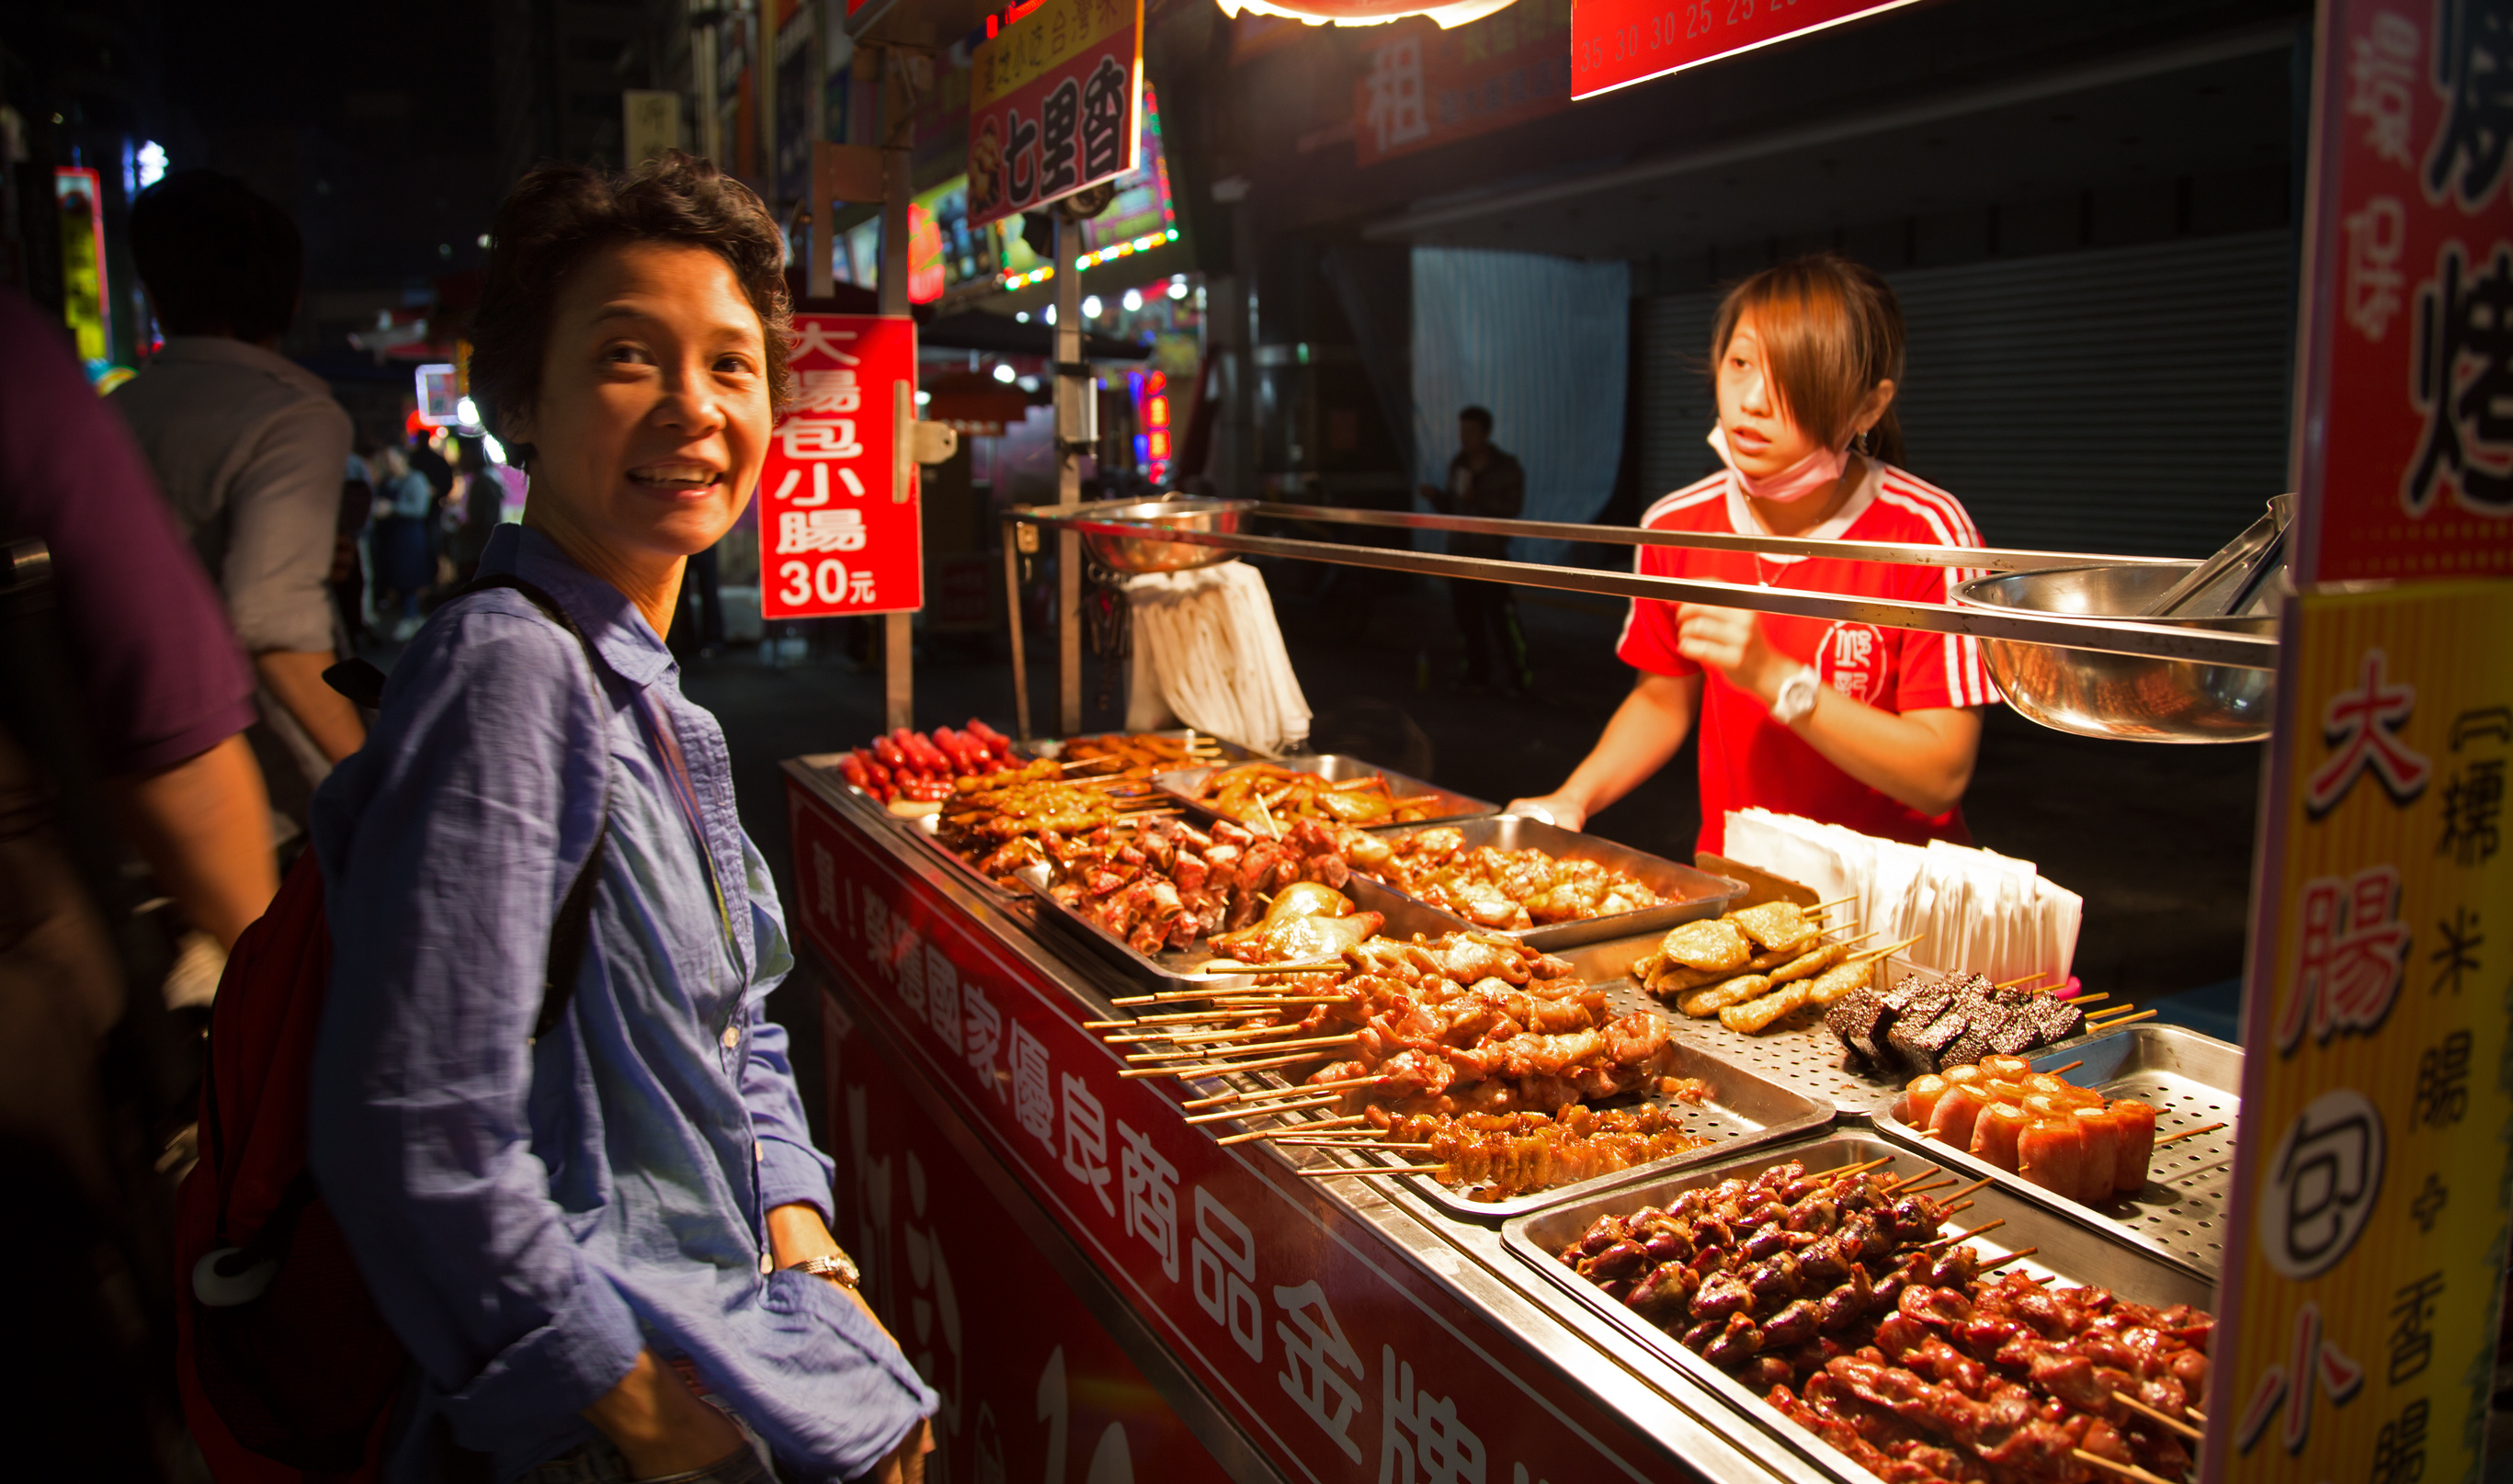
{"x": 247, "y": 445}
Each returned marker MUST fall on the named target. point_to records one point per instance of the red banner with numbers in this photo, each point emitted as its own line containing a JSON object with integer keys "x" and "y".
{"x": 2408, "y": 395}
{"x": 838, "y": 525}
{"x": 1332, "y": 1353}
{"x": 1617, "y": 43}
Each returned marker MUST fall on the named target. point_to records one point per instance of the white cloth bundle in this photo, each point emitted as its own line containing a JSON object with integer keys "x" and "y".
{"x": 1208, "y": 653}
{"x": 1972, "y": 910}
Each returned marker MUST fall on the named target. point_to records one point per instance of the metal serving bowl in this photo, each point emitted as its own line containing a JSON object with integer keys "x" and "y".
{"x": 1141, "y": 554}
{"x": 2128, "y": 696}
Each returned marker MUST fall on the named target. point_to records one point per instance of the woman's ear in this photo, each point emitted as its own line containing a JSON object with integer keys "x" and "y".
{"x": 1873, "y": 407}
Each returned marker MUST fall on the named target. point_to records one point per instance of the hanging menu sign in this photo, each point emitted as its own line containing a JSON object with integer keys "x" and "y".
{"x": 1053, "y": 104}
{"x": 1617, "y": 43}
{"x": 2407, "y": 413}
{"x": 839, "y": 529}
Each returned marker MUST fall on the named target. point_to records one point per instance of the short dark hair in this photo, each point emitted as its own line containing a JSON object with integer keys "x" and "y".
{"x": 217, "y": 260}
{"x": 1476, "y": 414}
{"x": 558, "y": 215}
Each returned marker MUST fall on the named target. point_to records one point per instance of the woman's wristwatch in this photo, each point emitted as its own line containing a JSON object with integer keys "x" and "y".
{"x": 836, "y": 1267}
{"x": 1797, "y": 696}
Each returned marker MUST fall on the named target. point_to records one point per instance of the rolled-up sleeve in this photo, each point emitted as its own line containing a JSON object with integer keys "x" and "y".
{"x": 442, "y": 893}
{"x": 286, "y": 516}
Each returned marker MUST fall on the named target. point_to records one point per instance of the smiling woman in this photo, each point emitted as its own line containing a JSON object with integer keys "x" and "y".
{"x": 575, "y": 1175}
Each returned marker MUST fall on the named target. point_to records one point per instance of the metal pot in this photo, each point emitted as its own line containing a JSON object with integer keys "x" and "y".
{"x": 2132, "y": 697}
{"x": 1141, "y": 554}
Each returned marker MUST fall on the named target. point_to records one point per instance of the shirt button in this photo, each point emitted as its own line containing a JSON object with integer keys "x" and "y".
{"x": 732, "y": 1036}
{"x": 759, "y": 1150}
{"x": 767, "y": 1265}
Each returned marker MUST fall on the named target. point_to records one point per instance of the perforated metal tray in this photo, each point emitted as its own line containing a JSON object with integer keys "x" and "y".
{"x": 1745, "y": 1111}
{"x": 2071, "y": 1251}
{"x": 1054, "y": 747}
{"x": 1689, "y": 893}
{"x": 2192, "y": 1081}
{"x": 1337, "y": 767}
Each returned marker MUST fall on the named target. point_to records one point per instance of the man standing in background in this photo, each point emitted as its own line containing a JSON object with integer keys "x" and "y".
{"x": 1484, "y": 480}
{"x": 248, "y": 449}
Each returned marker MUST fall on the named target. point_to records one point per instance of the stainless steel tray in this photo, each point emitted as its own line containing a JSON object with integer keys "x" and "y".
{"x": 1335, "y": 767}
{"x": 1745, "y": 1111}
{"x": 2071, "y": 1251}
{"x": 1691, "y": 893}
{"x": 1184, "y": 968}
{"x": 2193, "y": 1080}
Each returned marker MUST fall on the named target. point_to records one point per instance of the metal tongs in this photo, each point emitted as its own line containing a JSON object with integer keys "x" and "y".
{"x": 2232, "y": 582}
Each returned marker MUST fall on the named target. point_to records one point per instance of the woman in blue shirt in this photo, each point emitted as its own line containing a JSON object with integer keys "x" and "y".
{"x": 561, "y": 1228}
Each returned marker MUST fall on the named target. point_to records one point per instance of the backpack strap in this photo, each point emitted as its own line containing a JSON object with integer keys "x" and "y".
{"x": 574, "y": 925}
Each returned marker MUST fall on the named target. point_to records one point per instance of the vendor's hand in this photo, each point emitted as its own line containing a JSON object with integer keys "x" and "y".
{"x": 905, "y": 1463}
{"x": 796, "y": 1234}
{"x": 1731, "y": 642}
{"x": 659, "y": 1425}
{"x": 1561, "y": 808}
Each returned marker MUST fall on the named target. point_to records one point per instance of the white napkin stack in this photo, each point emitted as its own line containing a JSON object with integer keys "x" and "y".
{"x": 1207, "y": 654}
{"x": 1972, "y": 910}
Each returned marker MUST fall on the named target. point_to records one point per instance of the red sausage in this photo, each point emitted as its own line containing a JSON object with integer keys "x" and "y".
{"x": 2051, "y": 1153}
{"x": 2137, "y": 1144}
{"x": 1920, "y": 1099}
{"x": 1955, "y": 1114}
{"x": 1995, "y": 1132}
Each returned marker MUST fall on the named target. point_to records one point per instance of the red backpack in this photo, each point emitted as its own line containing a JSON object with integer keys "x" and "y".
{"x": 286, "y": 1368}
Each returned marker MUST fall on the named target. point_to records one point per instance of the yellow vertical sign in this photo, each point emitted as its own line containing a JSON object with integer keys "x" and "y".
{"x": 2367, "y": 1257}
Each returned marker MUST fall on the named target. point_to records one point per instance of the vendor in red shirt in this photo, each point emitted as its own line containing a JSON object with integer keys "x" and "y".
{"x": 1852, "y": 723}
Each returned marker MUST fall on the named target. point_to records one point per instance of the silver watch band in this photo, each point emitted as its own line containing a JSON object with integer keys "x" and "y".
{"x": 1797, "y": 696}
{"x": 836, "y": 1267}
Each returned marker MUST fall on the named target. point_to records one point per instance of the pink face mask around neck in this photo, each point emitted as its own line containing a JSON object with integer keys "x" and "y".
{"x": 1816, "y": 472}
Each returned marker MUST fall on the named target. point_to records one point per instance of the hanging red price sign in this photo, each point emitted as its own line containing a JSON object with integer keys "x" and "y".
{"x": 839, "y": 531}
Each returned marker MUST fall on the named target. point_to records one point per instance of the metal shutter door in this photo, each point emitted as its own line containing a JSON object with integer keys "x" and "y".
{"x": 2130, "y": 400}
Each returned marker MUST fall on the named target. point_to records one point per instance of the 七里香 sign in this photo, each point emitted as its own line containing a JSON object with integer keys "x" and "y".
{"x": 1054, "y": 101}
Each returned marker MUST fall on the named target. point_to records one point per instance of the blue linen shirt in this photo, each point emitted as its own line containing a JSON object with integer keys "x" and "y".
{"x": 530, "y": 1214}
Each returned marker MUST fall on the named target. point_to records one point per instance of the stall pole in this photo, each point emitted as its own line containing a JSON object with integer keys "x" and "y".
{"x": 1074, "y": 422}
{"x": 899, "y": 656}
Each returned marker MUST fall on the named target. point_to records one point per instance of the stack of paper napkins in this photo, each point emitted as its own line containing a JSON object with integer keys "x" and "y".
{"x": 1208, "y": 653}
{"x": 1973, "y": 912}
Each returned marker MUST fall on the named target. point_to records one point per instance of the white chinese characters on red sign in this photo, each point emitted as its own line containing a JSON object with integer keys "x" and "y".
{"x": 836, "y": 534}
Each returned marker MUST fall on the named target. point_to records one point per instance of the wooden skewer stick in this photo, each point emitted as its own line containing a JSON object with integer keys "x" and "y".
{"x": 1187, "y": 1030}
{"x": 2126, "y": 1020}
{"x": 2143, "y": 1410}
{"x": 1216, "y": 1068}
{"x": 1181, "y": 1017}
{"x": 1961, "y": 1205}
{"x": 1402, "y": 1169}
{"x": 1922, "y": 1189}
{"x": 1968, "y": 1190}
{"x": 2196, "y": 1413}
{"x": 1832, "y": 1176}
{"x": 2071, "y": 1067}
{"x": 1835, "y": 902}
{"x": 2087, "y": 999}
{"x": 1242, "y": 992}
{"x": 1228, "y": 1115}
{"x": 1874, "y": 953}
{"x": 1222, "y": 1053}
{"x": 2019, "y": 1253}
{"x": 1909, "y": 1184}
{"x": 2189, "y": 1133}
{"x": 1355, "y": 1142}
{"x": 2125, "y": 1470}
{"x": 1200, "y": 1037}
{"x": 1268, "y": 1094}
{"x": 1268, "y": 1133}
{"x": 2037, "y": 974}
{"x": 1961, "y": 1237}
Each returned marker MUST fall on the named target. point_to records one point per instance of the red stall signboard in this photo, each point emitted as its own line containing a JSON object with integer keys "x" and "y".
{"x": 1617, "y": 43}
{"x": 2407, "y": 415}
{"x": 1055, "y": 101}
{"x": 838, "y": 525}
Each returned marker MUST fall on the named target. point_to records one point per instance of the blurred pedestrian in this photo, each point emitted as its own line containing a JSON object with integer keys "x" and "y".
{"x": 481, "y": 501}
{"x": 1484, "y": 480}
{"x": 248, "y": 449}
{"x": 155, "y": 697}
{"x": 405, "y": 508}
{"x": 348, "y": 579}
{"x": 642, "y": 1160}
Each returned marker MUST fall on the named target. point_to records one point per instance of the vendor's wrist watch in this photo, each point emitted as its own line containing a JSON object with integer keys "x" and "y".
{"x": 1796, "y": 697}
{"x": 836, "y": 1267}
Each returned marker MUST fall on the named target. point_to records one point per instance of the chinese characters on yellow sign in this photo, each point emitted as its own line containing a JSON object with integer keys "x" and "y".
{"x": 2367, "y": 1256}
